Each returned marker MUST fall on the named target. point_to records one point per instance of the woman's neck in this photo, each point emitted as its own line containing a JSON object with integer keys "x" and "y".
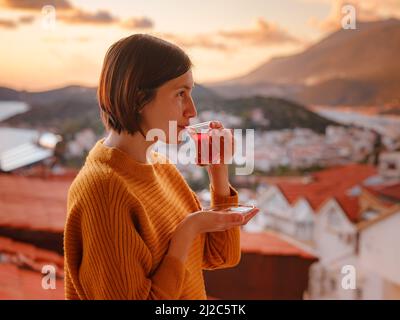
{"x": 134, "y": 145}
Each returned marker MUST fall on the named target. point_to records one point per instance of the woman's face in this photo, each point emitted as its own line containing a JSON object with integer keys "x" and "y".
{"x": 173, "y": 102}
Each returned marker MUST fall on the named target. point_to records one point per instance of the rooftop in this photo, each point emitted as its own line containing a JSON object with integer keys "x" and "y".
{"x": 330, "y": 183}
{"x": 20, "y": 270}
{"x": 33, "y": 203}
{"x": 269, "y": 243}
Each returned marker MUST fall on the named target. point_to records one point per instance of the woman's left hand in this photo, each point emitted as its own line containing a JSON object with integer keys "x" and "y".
{"x": 227, "y": 148}
{"x": 218, "y": 173}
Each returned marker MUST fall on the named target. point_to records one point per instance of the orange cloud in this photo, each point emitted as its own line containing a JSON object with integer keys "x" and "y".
{"x": 36, "y": 4}
{"x": 13, "y": 24}
{"x": 263, "y": 33}
{"x": 26, "y": 19}
{"x": 73, "y": 15}
{"x": 138, "y": 23}
{"x": 63, "y": 39}
{"x": 366, "y": 10}
{"x": 81, "y": 17}
{"x": 200, "y": 40}
{"x": 100, "y": 17}
{"x": 8, "y": 24}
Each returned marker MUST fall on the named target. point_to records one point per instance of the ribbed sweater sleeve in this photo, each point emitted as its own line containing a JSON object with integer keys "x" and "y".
{"x": 222, "y": 249}
{"x": 115, "y": 261}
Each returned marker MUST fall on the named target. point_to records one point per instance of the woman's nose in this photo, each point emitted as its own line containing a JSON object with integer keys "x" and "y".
{"x": 191, "y": 111}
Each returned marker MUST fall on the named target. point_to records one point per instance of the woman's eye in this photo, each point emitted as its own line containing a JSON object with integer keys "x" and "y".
{"x": 181, "y": 93}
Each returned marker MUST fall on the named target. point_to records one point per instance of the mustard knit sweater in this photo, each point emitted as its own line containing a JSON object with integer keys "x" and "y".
{"x": 121, "y": 217}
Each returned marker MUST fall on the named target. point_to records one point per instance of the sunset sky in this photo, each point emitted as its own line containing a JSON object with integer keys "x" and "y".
{"x": 224, "y": 38}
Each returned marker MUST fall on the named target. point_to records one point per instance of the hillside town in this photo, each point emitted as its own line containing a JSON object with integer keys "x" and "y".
{"x": 311, "y": 223}
{"x": 310, "y": 90}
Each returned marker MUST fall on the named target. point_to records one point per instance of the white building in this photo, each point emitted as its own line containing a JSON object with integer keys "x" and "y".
{"x": 22, "y": 148}
{"x": 379, "y": 256}
{"x": 389, "y": 165}
{"x": 335, "y": 239}
{"x": 83, "y": 142}
{"x": 369, "y": 248}
{"x": 334, "y": 234}
{"x": 348, "y": 222}
{"x": 277, "y": 213}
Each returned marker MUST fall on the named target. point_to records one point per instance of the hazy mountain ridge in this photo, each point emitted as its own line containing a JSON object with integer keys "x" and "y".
{"x": 365, "y": 60}
{"x": 73, "y": 108}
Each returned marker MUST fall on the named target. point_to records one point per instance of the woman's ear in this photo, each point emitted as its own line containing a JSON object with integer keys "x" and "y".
{"x": 140, "y": 100}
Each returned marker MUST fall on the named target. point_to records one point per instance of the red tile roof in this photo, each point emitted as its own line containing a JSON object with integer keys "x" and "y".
{"x": 354, "y": 171}
{"x": 331, "y": 183}
{"x": 33, "y": 203}
{"x": 21, "y": 284}
{"x": 30, "y": 255}
{"x": 350, "y": 206}
{"x": 268, "y": 243}
{"x": 20, "y": 271}
{"x": 391, "y": 191}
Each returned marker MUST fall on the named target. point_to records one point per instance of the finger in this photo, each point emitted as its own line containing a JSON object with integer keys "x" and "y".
{"x": 214, "y": 212}
{"x": 225, "y": 221}
{"x": 251, "y": 215}
{"x": 230, "y": 217}
{"x": 230, "y": 225}
{"x": 237, "y": 218}
{"x": 216, "y": 125}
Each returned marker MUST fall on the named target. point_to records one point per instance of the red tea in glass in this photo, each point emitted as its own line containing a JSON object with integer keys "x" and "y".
{"x": 207, "y": 141}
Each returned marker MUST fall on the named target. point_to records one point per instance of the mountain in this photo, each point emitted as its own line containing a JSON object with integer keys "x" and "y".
{"x": 81, "y": 93}
{"x": 7, "y": 94}
{"x": 64, "y": 110}
{"x": 203, "y": 93}
{"x": 360, "y": 66}
{"x": 280, "y": 113}
{"x": 70, "y": 109}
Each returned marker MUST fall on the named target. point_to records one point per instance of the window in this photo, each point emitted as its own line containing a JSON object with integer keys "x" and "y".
{"x": 333, "y": 219}
{"x": 332, "y": 284}
{"x": 391, "y": 165}
{"x": 369, "y": 214}
{"x": 347, "y": 238}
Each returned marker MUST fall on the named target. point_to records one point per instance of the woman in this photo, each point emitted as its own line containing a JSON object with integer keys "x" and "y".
{"x": 135, "y": 229}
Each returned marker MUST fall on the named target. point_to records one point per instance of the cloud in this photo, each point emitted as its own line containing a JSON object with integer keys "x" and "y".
{"x": 204, "y": 41}
{"x": 366, "y": 10}
{"x": 8, "y": 24}
{"x": 26, "y": 19}
{"x": 73, "y": 15}
{"x": 263, "y": 33}
{"x": 82, "y": 17}
{"x": 36, "y": 4}
{"x": 138, "y": 23}
{"x": 13, "y": 24}
{"x": 63, "y": 39}
{"x": 103, "y": 17}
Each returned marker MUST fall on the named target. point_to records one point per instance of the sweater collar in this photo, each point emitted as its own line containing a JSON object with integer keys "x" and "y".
{"x": 117, "y": 158}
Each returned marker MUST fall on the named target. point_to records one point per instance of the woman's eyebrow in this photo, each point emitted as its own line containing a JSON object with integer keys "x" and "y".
{"x": 185, "y": 86}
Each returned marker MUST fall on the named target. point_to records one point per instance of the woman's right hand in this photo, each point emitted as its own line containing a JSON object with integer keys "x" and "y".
{"x": 211, "y": 221}
{"x": 201, "y": 222}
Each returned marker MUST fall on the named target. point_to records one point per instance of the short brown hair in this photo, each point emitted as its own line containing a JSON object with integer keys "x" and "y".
{"x": 133, "y": 68}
